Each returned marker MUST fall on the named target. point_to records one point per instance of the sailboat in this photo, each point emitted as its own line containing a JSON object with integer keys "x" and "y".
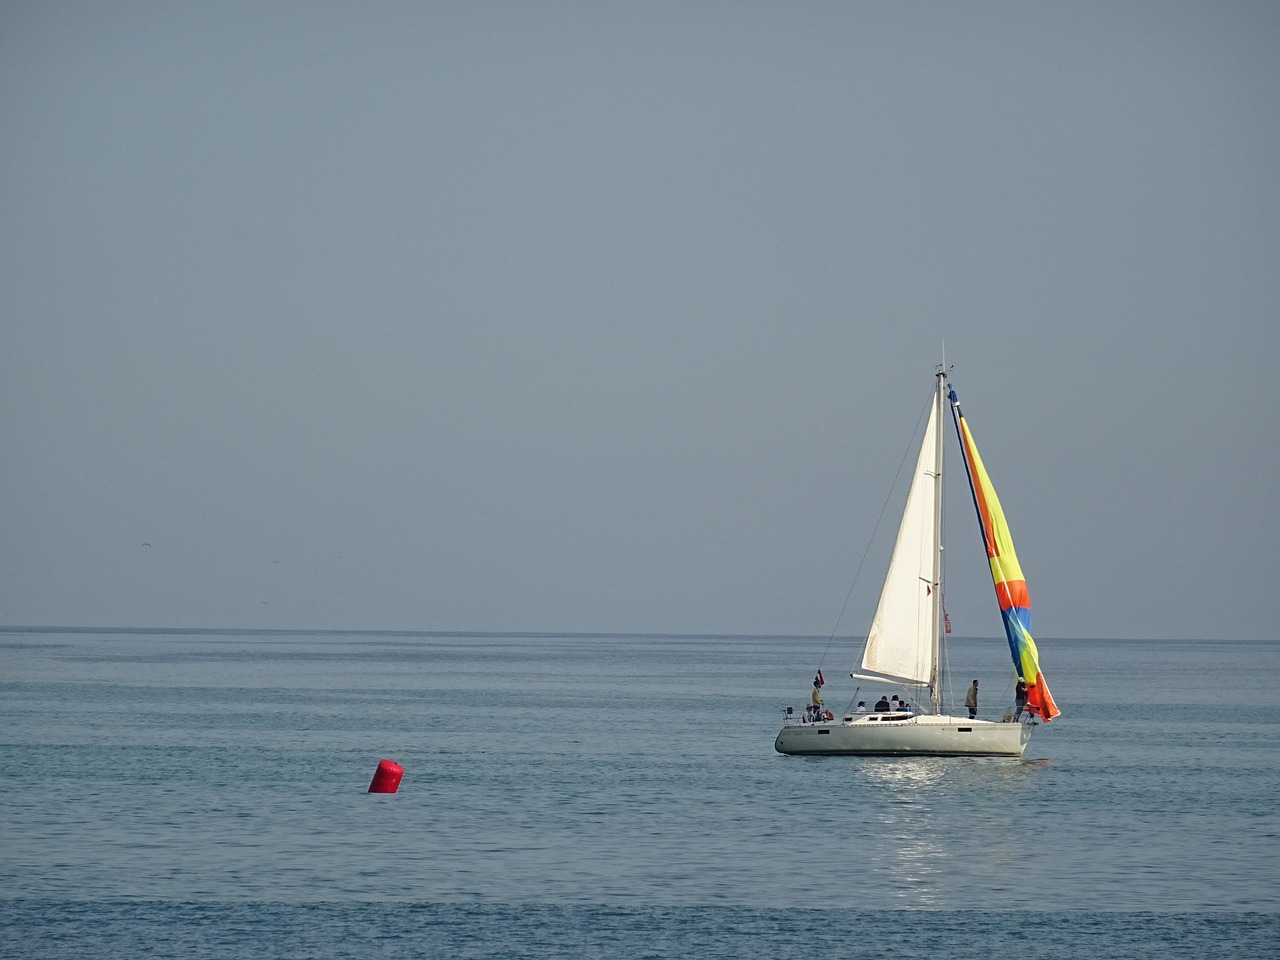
{"x": 903, "y": 644}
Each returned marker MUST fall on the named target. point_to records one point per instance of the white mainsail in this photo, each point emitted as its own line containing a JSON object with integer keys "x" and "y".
{"x": 902, "y": 642}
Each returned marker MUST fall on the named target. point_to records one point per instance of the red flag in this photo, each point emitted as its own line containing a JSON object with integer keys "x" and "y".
{"x": 946, "y": 621}
{"x": 820, "y": 680}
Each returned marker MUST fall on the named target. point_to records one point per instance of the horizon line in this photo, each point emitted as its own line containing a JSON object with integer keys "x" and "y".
{"x": 532, "y": 634}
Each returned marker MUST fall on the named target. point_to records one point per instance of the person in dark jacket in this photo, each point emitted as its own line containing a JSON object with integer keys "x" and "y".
{"x": 1020, "y": 698}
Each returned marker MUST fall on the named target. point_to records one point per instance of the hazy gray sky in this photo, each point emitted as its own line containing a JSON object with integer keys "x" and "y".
{"x": 617, "y": 317}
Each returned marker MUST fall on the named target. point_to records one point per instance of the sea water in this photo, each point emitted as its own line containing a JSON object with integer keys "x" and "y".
{"x": 204, "y": 795}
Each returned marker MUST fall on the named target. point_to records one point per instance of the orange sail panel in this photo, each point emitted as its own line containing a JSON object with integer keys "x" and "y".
{"x": 1006, "y": 574}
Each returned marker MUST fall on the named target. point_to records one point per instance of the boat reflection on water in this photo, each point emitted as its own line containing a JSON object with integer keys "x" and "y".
{"x": 912, "y": 852}
{"x": 908, "y": 773}
{"x": 932, "y": 827}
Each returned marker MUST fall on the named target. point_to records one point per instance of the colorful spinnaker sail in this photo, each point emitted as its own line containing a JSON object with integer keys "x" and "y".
{"x": 1006, "y": 574}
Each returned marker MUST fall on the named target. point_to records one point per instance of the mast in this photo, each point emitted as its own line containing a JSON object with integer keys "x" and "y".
{"x": 935, "y": 684}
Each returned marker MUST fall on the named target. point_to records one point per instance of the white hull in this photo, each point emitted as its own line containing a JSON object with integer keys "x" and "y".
{"x": 888, "y": 734}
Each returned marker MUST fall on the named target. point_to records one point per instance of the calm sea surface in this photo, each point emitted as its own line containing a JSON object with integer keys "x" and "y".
{"x": 203, "y": 795}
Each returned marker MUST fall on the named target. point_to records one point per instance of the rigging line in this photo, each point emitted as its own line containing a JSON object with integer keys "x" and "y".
{"x": 911, "y": 444}
{"x": 848, "y": 707}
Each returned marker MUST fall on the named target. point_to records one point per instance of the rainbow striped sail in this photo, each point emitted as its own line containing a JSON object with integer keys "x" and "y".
{"x": 1006, "y": 574}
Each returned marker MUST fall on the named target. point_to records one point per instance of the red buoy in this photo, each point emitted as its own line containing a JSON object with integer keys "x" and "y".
{"x": 386, "y": 779}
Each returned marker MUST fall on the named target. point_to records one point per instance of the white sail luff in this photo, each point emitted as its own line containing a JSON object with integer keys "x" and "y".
{"x": 903, "y": 638}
